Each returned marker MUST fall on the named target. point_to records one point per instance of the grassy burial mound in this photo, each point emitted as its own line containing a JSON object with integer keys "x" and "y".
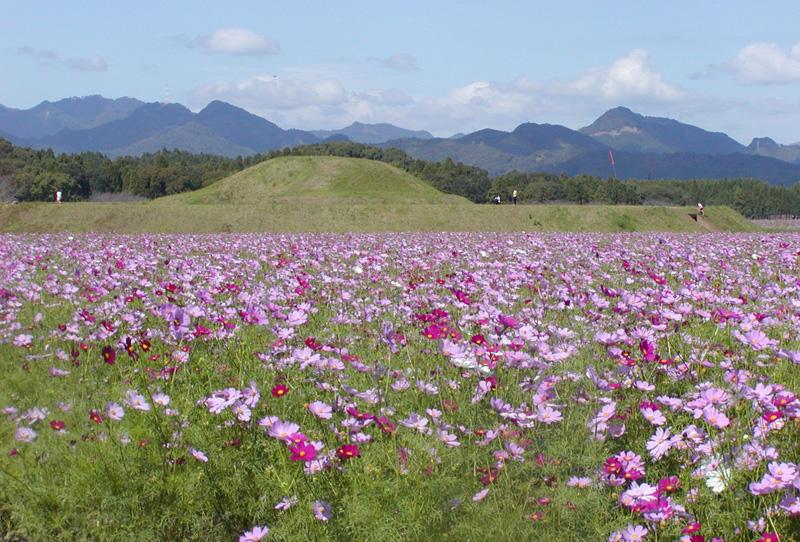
{"x": 324, "y": 180}
{"x": 320, "y": 193}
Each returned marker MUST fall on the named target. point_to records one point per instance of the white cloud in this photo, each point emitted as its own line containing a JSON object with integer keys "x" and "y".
{"x": 233, "y": 41}
{"x": 87, "y": 64}
{"x": 401, "y": 62}
{"x": 628, "y": 78}
{"x": 332, "y": 96}
{"x": 269, "y": 92}
{"x": 390, "y": 97}
{"x": 766, "y": 64}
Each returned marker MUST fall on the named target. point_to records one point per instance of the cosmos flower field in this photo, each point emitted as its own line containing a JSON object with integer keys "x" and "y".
{"x": 400, "y": 387}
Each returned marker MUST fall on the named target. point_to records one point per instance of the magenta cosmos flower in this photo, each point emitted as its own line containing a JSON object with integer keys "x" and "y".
{"x": 303, "y": 451}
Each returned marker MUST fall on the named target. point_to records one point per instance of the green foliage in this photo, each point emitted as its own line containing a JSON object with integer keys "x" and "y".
{"x": 35, "y": 175}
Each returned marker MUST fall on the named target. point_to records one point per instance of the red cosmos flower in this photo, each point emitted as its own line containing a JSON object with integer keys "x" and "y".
{"x": 95, "y": 416}
{"x": 357, "y": 414}
{"x": 109, "y": 355}
{"x": 670, "y": 484}
{"x": 386, "y": 425}
{"x": 462, "y": 297}
{"x": 691, "y": 528}
{"x": 280, "y": 390}
{"x": 772, "y": 416}
{"x": 613, "y": 466}
{"x": 490, "y": 475}
{"x": 347, "y": 451}
{"x": 303, "y": 452}
{"x": 129, "y": 348}
{"x": 57, "y": 425}
{"x": 144, "y": 344}
{"x": 768, "y": 537}
{"x": 107, "y": 325}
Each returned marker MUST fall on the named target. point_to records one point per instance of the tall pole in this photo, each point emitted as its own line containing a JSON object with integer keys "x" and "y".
{"x": 613, "y": 164}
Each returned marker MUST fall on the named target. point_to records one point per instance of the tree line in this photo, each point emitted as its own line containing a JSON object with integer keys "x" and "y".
{"x": 35, "y": 175}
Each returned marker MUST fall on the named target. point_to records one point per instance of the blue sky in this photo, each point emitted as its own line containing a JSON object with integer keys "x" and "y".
{"x": 445, "y": 66}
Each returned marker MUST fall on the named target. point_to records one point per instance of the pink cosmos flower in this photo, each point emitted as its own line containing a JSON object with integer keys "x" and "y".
{"x": 198, "y": 455}
{"x": 653, "y": 416}
{"x": 322, "y": 510}
{"x": 634, "y": 533}
{"x": 256, "y": 534}
{"x": 321, "y": 410}
{"x": 283, "y": 430}
{"x": 114, "y": 412}
{"x": 579, "y": 482}
{"x": 136, "y": 401}
{"x": 286, "y": 503}
{"x": 659, "y": 444}
{"x": 756, "y": 339}
{"x": 24, "y": 434}
{"x": 480, "y": 495}
{"x": 23, "y": 341}
{"x": 548, "y": 415}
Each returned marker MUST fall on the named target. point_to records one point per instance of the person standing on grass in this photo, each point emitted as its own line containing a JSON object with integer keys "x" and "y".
{"x": 514, "y": 197}
{"x": 701, "y": 210}
{"x": 58, "y": 197}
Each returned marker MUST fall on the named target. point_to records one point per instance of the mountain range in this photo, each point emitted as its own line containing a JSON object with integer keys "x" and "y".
{"x": 641, "y": 146}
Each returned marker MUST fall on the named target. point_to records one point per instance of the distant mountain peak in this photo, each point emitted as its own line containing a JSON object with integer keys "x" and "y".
{"x": 766, "y": 146}
{"x": 371, "y": 134}
{"x": 762, "y": 143}
{"x": 623, "y": 129}
{"x": 75, "y": 113}
{"x": 219, "y": 105}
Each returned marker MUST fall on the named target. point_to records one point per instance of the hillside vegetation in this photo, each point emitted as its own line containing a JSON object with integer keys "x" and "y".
{"x": 300, "y": 216}
{"x": 322, "y": 179}
{"x": 324, "y": 193}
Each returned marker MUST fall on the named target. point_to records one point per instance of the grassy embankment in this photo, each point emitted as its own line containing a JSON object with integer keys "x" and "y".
{"x": 344, "y": 194}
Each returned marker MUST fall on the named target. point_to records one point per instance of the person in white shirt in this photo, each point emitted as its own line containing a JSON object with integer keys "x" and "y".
{"x": 58, "y": 197}
{"x": 514, "y": 197}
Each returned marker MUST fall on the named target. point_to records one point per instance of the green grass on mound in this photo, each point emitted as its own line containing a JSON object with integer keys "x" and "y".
{"x": 319, "y": 179}
{"x": 176, "y": 216}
